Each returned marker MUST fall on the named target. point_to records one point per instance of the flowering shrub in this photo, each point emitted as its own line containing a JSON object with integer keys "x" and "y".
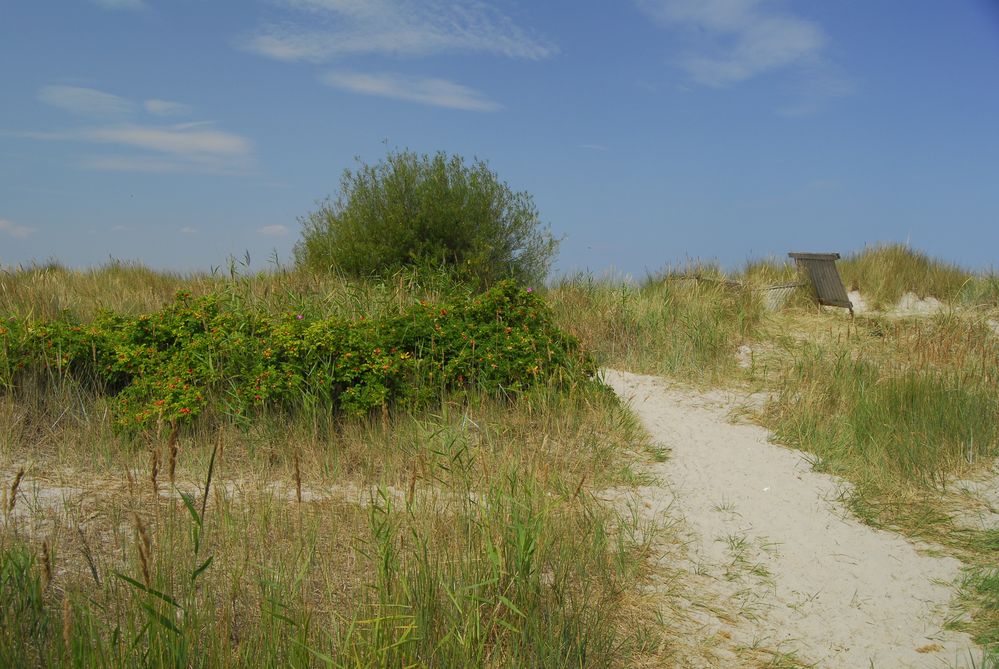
{"x": 205, "y": 354}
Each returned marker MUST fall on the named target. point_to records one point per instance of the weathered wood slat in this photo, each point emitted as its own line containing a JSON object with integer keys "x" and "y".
{"x": 821, "y": 269}
{"x": 814, "y": 256}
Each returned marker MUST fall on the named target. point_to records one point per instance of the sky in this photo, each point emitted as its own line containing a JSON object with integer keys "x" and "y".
{"x": 181, "y": 133}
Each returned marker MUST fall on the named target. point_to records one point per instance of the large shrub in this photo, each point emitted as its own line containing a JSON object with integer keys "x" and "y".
{"x": 436, "y": 211}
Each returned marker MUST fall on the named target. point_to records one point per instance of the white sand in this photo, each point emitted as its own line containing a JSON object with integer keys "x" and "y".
{"x": 858, "y": 301}
{"x": 983, "y": 513}
{"x": 810, "y": 578}
{"x": 908, "y": 305}
{"x": 912, "y": 305}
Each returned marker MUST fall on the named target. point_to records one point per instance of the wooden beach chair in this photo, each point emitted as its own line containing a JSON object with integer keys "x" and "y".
{"x": 821, "y": 271}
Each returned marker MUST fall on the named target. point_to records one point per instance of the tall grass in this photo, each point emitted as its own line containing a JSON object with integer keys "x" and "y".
{"x": 467, "y": 538}
{"x": 679, "y": 326}
{"x": 884, "y": 273}
{"x": 894, "y": 403}
{"x": 47, "y": 292}
{"x": 769, "y": 271}
{"x": 465, "y": 535}
{"x": 508, "y": 579}
{"x": 903, "y": 409}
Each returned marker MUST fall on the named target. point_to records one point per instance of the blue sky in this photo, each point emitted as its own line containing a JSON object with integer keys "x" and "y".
{"x": 180, "y": 132}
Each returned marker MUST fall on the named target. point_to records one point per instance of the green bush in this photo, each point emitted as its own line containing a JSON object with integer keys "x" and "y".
{"x": 206, "y": 355}
{"x": 427, "y": 211}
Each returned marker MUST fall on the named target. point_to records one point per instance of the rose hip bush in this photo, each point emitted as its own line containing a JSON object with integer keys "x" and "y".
{"x": 210, "y": 355}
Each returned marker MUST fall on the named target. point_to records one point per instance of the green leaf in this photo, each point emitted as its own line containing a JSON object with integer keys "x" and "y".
{"x": 155, "y": 593}
{"x": 160, "y": 618}
{"x": 513, "y": 607}
{"x": 204, "y": 565}
{"x": 189, "y": 503}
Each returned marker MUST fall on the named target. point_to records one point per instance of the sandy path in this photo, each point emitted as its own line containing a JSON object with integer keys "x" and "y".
{"x": 808, "y": 577}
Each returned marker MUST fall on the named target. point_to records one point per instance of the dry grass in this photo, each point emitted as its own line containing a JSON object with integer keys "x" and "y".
{"x": 406, "y": 537}
{"x": 677, "y": 326}
{"x": 469, "y": 536}
{"x": 903, "y": 409}
{"x": 464, "y": 536}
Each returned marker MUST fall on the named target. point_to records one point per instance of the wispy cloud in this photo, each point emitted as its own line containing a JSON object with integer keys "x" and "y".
{"x": 120, "y": 4}
{"x": 184, "y": 147}
{"x": 820, "y": 86}
{"x": 423, "y": 90}
{"x": 88, "y": 101}
{"x": 158, "y": 165}
{"x": 178, "y": 148}
{"x": 274, "y": 230}
{"x": 13, "y": 230}
{"x": 735, "y": 40}
{"x": 166, "y": 108}
{"x": 328, "y": 29}
{"x": 174, "y": 140}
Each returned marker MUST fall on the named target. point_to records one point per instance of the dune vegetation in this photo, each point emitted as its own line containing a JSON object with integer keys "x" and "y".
{"x": 437, "y": 511}
{"x": 421, "y": 467}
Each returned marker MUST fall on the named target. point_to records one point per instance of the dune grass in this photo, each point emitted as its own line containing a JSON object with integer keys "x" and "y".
{"x": 50, "y": 291}
{"x": 903, "y": 409}
{"x": 894, "y": 401}
{"x": 467, "y": 559}
{"x": 465, "y": 533}
{"x": 884, "y": 273}
{"x": 673, "y": 325}
{"x": 465, "y": 537}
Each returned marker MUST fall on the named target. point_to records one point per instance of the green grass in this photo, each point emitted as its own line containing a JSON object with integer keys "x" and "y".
{"x": 901, "y": 408}
{"x": 674, "y": 326}
{"x": 466, "y": 538}
{"x": 888, "y": 426}
{"x": 51, "y": 291}
{"x": 893, "y": 402}
{"x": 884, "y": 273}
{"x": 981, "y": 595}
{"x": 465, "y": 533}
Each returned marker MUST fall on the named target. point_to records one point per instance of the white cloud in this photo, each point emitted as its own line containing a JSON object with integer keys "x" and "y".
{"x": 188, "y": 230}
{"x": 735, "y": 40}
{"x": 121, "y": 4}
{"x": 88, "y": 101}
{"x": 427, "y": 91}
{"x": 183, "y": 147}
{"x": 153, "y": 164}
{"x": 166, "y": 108}
{"x": 15, "y": 231}
{"x": 333, "y": 28}
{"x": 177, "y": 148}
{"x": 174, "y": 140}
{"x": 274, "y": 230}
{"x": 593, "y": 147}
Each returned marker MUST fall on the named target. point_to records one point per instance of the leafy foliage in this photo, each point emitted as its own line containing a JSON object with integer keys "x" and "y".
{"x": 203, "y": 355}
{"x": 412, "y": 210}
